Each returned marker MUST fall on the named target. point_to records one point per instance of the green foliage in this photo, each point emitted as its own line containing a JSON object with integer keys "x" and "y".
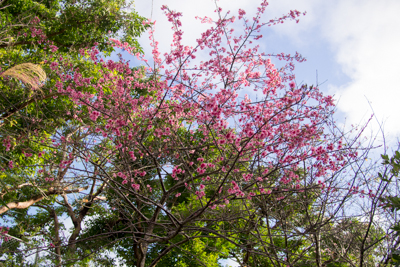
{"x": 392, "y": 202}
{"x": 70, "y": 24}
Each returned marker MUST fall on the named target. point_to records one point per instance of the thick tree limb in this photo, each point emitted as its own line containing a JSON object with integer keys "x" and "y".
{"x": 37, "y": 198}
{"x": 77, "y": 221}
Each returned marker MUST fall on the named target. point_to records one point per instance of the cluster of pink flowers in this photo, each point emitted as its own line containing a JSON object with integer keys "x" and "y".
{"x": 7, "y": 143}
{"x": 3, "y": 233}
{"x": 125, "y": 46}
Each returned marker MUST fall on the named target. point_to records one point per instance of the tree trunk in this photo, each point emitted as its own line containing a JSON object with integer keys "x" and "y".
{"x": 140, "y": 251}
{"x": 317, "y": 236}
{"x": 57, "y": 242}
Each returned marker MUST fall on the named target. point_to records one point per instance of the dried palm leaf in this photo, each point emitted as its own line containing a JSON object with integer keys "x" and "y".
{"x": 30, "y": 74}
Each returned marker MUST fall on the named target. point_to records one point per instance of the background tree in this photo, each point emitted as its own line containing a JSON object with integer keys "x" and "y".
{"x": 389, "y": 198}
{"x": 37, "y": 37}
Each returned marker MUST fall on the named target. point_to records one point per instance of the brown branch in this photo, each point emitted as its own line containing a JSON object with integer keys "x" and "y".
{"x": 37, "y": 198}
{"x": 82, "y": 213}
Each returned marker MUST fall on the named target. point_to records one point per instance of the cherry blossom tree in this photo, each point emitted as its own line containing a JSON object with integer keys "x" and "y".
{"x": 224, "y": 147}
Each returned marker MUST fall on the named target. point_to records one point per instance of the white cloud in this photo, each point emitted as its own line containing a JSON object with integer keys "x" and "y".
{"x": 365, "y": 37}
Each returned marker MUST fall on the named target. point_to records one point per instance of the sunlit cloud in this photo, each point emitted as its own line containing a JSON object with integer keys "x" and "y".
{"x": 365, "y": 37}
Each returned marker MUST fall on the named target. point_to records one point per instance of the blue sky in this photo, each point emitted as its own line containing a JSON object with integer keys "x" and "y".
{"x": 352, "y": 44}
